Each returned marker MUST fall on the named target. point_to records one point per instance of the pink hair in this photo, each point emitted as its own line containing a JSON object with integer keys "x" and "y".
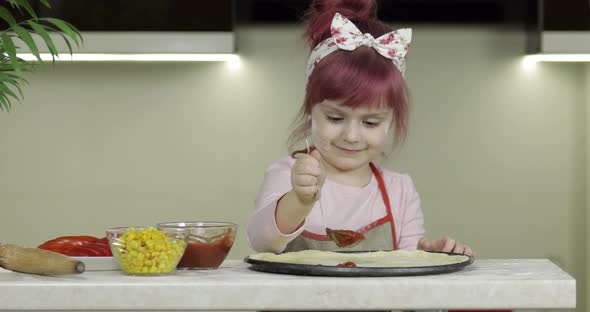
{"x": 359, "y": 78}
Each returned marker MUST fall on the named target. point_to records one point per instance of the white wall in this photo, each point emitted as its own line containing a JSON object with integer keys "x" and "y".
{"x": 498, "y": 153}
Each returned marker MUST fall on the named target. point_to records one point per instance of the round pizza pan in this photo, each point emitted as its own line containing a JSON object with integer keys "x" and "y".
{"x": 325, "y": 270}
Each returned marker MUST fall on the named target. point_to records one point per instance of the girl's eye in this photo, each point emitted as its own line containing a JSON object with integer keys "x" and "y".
{"x": 334, "y": 118}
{"x": 371, "y": 124}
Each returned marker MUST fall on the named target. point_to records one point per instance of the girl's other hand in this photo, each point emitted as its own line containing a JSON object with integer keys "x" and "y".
{"x": 307, "y": 177}
{"x": 445, "y": 244}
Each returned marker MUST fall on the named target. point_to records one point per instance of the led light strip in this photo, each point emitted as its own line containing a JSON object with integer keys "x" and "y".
{"x": 534, "y": 58}
{"x": 93, "y": 57}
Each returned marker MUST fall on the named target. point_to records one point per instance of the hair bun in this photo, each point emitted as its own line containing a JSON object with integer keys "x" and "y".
{"x": 352, "y": 9}
{"x": 319, "y": 17}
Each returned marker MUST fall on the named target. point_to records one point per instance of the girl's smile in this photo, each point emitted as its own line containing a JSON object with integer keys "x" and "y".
{"x": 350, "y": 151}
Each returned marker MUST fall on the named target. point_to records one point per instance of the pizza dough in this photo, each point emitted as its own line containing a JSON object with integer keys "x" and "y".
{"x": 383, "y": 259}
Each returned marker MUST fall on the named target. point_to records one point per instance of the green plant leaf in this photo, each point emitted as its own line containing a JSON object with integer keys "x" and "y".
{"x": 6, "y": 90}
{"x": 7, "y": 16}
{"x": 4, "y": 104}
{"x": 12, "y": 69}
{"x": 4, "y": 75}
{"x": 67, "y": 41}
{"x": 14, "y": 82}
{"x": 40, "y": 30}
{"x": 6, "y": 67}
{"x": 26, "y": 37}
{"x": 4, "y": 101}
{"x": 15, "y": 3}
{"x": 7, "y": 81}
{"x": 20, "y": 4}
{"x": 68, "y": 29}
{"x": 10, "y": 51}
{"x": 45, "y": 3}
{"x": 27, "y": 6}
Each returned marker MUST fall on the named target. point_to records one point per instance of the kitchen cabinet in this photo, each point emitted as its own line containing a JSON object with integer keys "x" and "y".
{"x": 485, "y": 284}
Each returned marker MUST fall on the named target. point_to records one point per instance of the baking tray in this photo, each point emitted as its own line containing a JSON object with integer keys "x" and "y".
{"x": 324, "y": 270}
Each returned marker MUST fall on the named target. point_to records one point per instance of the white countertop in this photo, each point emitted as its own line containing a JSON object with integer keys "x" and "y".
{"x": 485, "y": 284}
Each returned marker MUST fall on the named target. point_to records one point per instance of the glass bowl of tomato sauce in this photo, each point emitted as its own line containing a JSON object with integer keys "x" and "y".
{"x": 208, "y": 243}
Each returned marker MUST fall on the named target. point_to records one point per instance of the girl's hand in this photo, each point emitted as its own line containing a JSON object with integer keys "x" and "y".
{"x": 445, "y": 244}
{"x": 307, "y": 178}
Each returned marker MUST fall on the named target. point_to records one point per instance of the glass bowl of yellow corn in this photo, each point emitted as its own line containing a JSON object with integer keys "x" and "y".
{"x": 144, "y": 250}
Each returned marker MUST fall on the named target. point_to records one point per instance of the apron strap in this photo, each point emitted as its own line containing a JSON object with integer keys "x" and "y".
{"x": 385, "y": 197}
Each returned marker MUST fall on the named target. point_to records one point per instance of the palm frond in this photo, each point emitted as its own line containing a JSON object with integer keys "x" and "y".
{"x": 7, "y": 16}
{"x": 41, "y": 30}
{"x": 45, "y": 3}
{"x": 25, "y": 35}
{"x": 16, "y": 82}
{"x": 12, "y": 68}
{"x": 65, "y": 28}
{"x": 23, "y": 4}
{"x": 10, "y": 49}
{"x": 4, "y": 103}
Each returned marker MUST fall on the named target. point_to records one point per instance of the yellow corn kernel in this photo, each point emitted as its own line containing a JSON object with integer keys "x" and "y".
{"x": 149, "y": 251}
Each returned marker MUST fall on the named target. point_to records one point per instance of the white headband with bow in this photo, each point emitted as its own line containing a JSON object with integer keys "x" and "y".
{"x": 346, "y": 36}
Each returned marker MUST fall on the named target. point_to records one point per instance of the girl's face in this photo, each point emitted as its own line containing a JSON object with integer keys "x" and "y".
{"x": 347, "y": 138}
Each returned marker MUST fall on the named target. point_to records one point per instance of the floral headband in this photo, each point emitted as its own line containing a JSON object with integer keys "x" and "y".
{"x": 346, "y": 36}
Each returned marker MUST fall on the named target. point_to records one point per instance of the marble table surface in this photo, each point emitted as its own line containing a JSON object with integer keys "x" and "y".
{"x": 485, "y": 284}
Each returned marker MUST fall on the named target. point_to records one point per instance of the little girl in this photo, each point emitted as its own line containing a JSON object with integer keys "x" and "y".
{"x": 355, "y": 95}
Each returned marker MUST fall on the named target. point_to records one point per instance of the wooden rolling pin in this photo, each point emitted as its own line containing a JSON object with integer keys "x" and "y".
{"x": 37, "y": 261}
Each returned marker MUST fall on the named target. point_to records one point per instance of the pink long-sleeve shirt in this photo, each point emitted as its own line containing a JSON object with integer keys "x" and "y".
{"x": 344, "y": 206}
